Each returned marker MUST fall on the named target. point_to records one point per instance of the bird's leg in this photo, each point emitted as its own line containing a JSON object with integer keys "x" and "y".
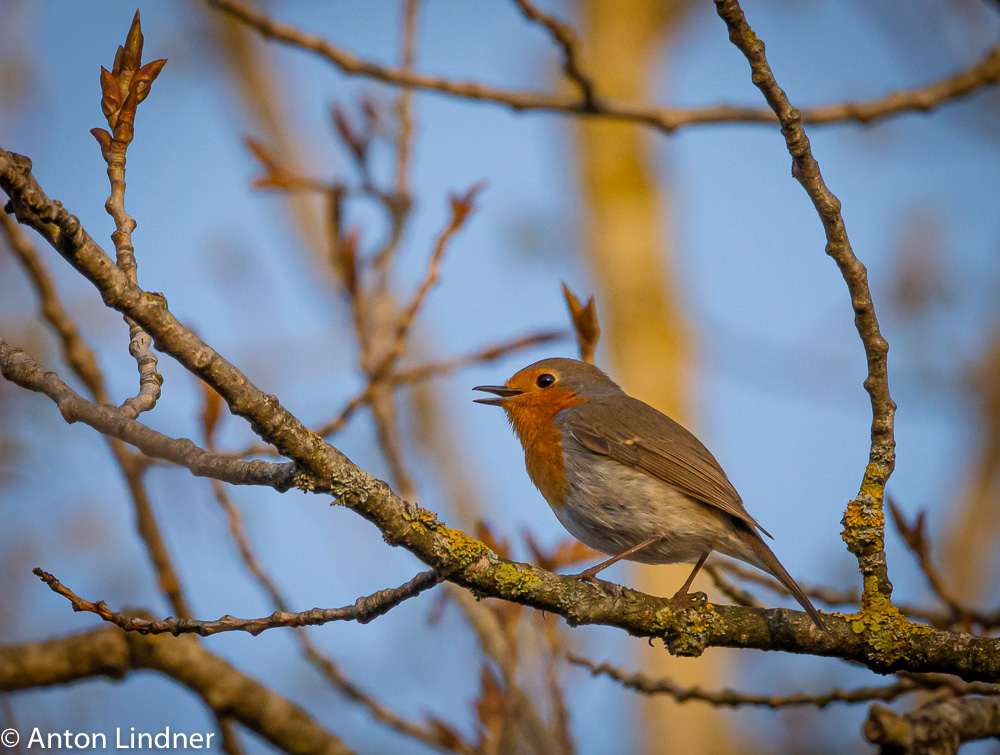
{"x": 590, "y": 575}
{"x": 683, "y": 593}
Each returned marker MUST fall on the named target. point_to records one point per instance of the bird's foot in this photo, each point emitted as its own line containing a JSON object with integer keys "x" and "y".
{"x": 698, "y": 598}
{"x": 590, "y": 576}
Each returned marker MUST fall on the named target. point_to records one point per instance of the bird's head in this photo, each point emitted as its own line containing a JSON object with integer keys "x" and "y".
{"x": 536, "y": 394}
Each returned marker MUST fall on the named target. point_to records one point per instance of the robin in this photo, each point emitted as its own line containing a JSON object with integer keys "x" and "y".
{"x": 624, "y": 478}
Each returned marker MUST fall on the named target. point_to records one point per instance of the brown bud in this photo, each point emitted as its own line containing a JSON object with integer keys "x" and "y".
{"x": 585, "y": 323}
{"x": 133, "y": 46}
{"x": 463, "y": 204}
{"x": 150, "y": 71}
{"x": 110, "y": 90}
{"x": 104, "y": 139}
{"x": 116, "y": 69}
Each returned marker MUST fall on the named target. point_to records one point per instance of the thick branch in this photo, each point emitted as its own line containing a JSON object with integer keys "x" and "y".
{"x": 227, "y": 691}
{"x": 921, "y": 99}
{"x": 939, "y": 727}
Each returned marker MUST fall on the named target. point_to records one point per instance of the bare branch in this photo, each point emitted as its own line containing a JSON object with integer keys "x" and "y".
{"x": 564, "y": 36}
{"x": 864, "y": 525}
{"x": 20, "y": 369}
{"x": 123, "y": 88}
{"x": 79, "y": 355}
{"x": 983, "y": 73}
{"x": 915, "y": 537}
{"x": 228, "y": 692}
{"x": 733, "y": 698}
{"x": 364, "y": 610}
{"x": 735, "y": 593}
{"x": 938, "y": 727}
{"x": 462, "y": 205}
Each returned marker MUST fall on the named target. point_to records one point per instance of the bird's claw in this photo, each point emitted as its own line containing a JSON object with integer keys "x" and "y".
{"x": 698, "y": 598}
{"x": 586, "y": 576}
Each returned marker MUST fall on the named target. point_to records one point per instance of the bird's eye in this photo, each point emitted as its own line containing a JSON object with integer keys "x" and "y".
{"x": 545, "y": 380}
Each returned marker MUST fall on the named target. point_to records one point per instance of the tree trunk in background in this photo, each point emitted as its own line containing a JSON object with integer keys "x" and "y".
{"x": 638, "y": 301}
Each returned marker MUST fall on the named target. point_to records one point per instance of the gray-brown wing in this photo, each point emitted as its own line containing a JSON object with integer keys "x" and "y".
{"x": 653, "y": 443}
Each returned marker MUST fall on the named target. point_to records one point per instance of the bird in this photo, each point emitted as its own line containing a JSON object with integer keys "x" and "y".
{"x": 627, "y": 480}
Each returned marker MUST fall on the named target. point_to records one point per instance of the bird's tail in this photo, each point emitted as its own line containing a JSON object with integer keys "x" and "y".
{"x": 769, "y": 562}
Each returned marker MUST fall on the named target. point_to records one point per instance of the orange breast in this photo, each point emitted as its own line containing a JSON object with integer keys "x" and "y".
{"x": 533, "y": 419}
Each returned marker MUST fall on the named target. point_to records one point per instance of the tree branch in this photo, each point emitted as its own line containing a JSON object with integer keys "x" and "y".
{"x": 564, "y": 36}
{"x": 17, "y": 367}
{"x": 364, "y": 610}
{"x": 228, "y": 692}
{"x": 864, "y": 524}
{"x": 938, "y": 727}
{"x": 734, "y": 698}
{"x": 920, "y": 99}
{"x": 123, "y": 88}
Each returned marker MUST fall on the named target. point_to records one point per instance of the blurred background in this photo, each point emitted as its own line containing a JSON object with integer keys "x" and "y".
{"x": 706, "y": 260}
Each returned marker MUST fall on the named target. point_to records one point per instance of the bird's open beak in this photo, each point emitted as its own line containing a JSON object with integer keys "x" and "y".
{"x": 502, "y": 392}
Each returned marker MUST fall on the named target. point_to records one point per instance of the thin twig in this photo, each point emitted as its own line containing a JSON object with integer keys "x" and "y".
{"x": 735, "y": 698}
{"x": 413, "y": 375}
{"x": 864, "y": 525}
{"x": 123, "y": 88}
{"x": 920, "y": 99}
{"x": 735, "y": 593}
{"x": 374, "y": 306}
{"x": 364, "y": 610}
{"x": 915, "y": 537}
{"x": 404, "y": 105}
{"x": 564, "y": 36}
{"x": 17, "y": 367}
{"x": 78, "y": 354}
{"x": 846, "y": 597}
{"x": 485, "y": 355}
{"x": 462, "y": 205}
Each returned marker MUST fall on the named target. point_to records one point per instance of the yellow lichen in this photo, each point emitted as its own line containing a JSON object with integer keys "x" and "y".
{"x": 686, "y": 631}
{"x": 517, "y": 579}
{"x": 863, "y": 520}
{"x": 304, "y": 482}
{"x": 421, "y": 520}
{"x": 887, "y": 631}
{"x": 464, "y": 549}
